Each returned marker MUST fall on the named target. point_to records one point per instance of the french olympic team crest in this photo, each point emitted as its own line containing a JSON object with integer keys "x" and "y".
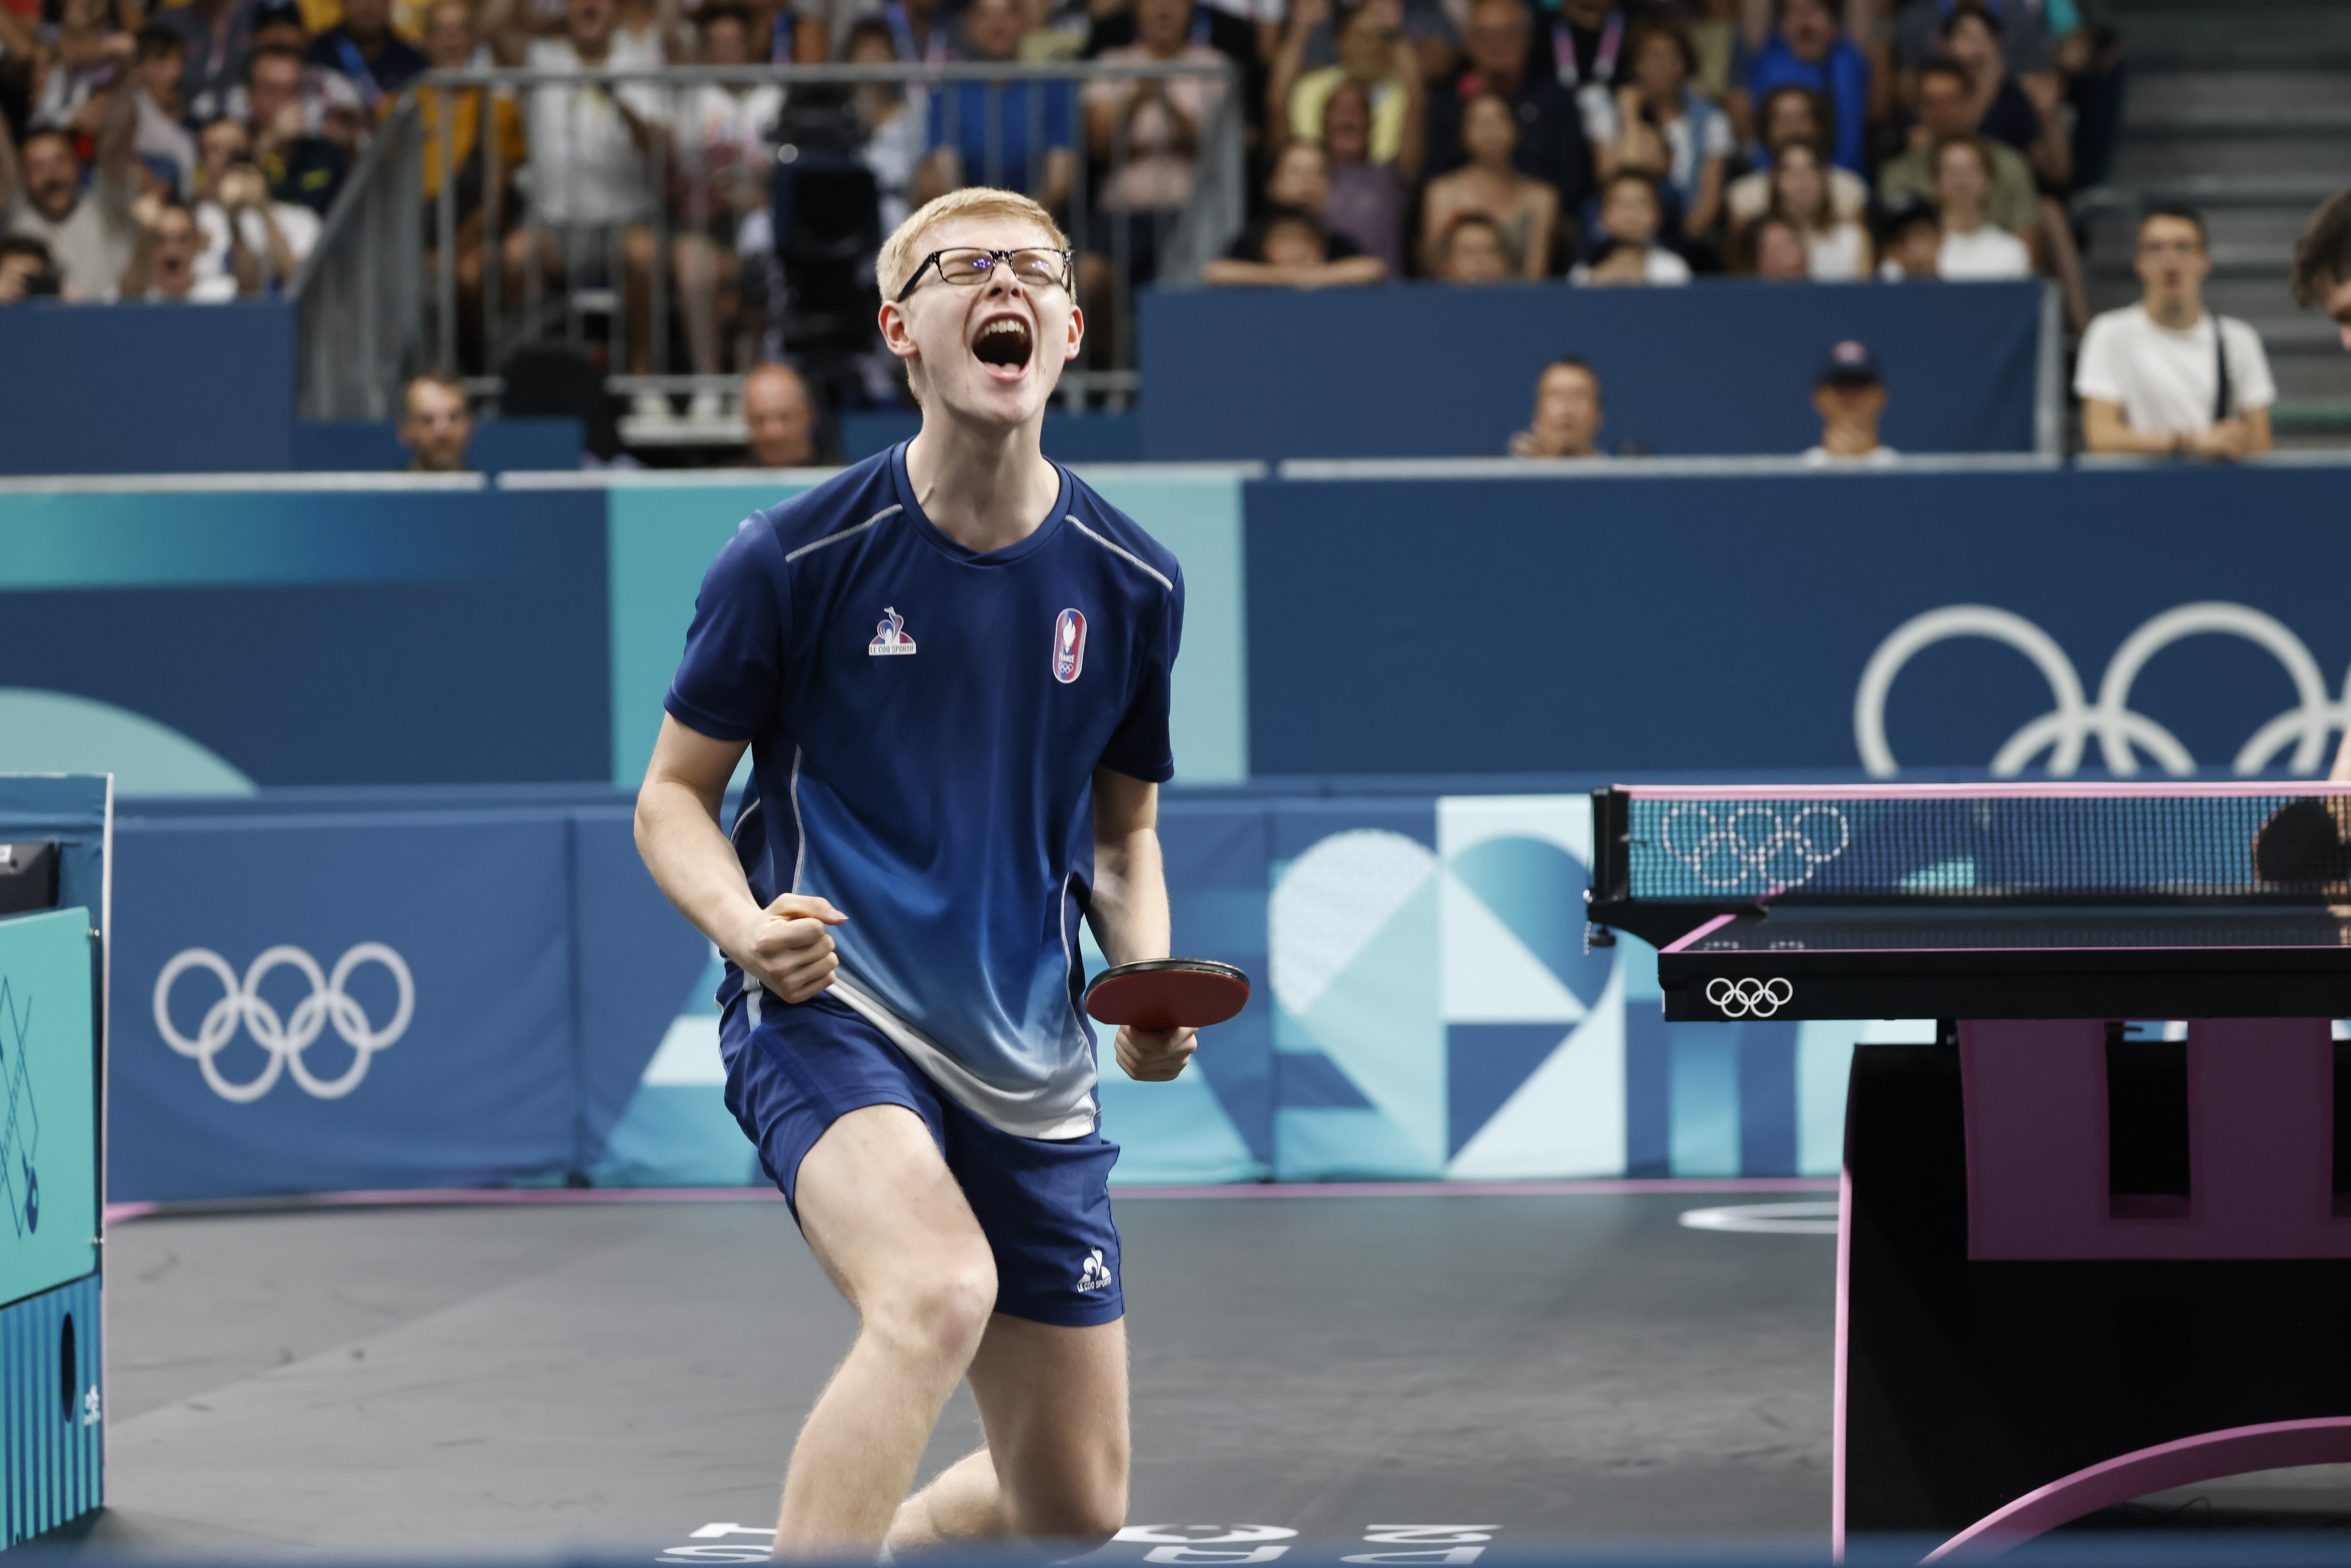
{"x": 890, "y": 636}
{"x": 1068, "y": 647}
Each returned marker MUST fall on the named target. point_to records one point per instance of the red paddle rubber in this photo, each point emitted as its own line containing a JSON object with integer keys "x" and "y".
{"x": 1169, "y": 993}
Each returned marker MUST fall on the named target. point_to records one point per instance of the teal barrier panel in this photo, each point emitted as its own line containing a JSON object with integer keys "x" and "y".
{"x": 48, "y": 1107}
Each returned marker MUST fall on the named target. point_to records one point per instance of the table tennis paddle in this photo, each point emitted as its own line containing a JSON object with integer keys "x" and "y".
{"x": 1169, "y": 993}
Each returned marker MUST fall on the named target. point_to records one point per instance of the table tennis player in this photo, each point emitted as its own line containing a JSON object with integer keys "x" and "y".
{"x": 951, "y": 665}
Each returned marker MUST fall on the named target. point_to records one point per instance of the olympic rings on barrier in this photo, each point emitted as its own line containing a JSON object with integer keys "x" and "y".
{"x": 1749, "y": 998}
{"x": 2121, "y": 733}
{"x": 285, "y": 1039}
{"x": 1754, "y": 841}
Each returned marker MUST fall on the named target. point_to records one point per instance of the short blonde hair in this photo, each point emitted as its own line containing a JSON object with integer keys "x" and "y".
{"x": 901, "y": 253}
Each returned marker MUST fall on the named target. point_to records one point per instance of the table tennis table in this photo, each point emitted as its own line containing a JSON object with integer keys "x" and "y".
{"x": 2095, "y": 1239}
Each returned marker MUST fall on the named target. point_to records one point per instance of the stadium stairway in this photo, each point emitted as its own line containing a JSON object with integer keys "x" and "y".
{"x": 2242, "y": 109}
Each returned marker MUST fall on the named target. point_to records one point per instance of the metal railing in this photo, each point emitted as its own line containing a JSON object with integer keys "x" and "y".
{"x": 380, "y": 301}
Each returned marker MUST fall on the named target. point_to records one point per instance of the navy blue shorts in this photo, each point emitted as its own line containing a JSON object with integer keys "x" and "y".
{"x": 1044, "y": 1205}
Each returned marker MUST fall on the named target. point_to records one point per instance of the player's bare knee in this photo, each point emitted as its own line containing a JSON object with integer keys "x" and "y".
{"x": 1088, "y": 1515}
{"x": 941, "y": 1312}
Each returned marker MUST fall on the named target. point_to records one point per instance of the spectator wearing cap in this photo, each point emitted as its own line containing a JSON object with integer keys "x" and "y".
{"x": 91, "y": 233}
{"x": 1552, "y": 144}
{"x": 2321, "y": 265}
{"x": 1910, "y": 241}
{"x": 1974, "y": 249}
{"x": 1849, "y": 394}
{"x": 1631, "y": 215}
{"x": 1790, "y": 113}
{"x": 1526, "y": 208}
{"x": 1475, "y": 250}
{"x": 2166, "y": 375}
{"x": 1567, "y": 414}
{"x": 26, "y": 272}
{"x": 435, "y": 424}
{"x": 161, "y": 138}
{"x": 778, "y": 418}
{"x": 1366, "y": 201}
{"x": 1799, "y": 42}
{"x": 365, "y": 51}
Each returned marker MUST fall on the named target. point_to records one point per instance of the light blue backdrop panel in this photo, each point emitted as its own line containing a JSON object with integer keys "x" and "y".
{"x": 49, "y": 1115}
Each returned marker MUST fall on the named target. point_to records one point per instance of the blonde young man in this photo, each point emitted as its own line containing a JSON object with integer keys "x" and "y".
{"x": 951, "y": 663}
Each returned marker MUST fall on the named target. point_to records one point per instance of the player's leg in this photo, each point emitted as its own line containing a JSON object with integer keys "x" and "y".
{"x": 1054, "y": 1403}
{"x": 890, "y": 1225}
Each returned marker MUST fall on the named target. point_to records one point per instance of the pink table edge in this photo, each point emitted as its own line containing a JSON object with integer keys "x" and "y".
{"x": 2272, "y": 1444}
{"x": 2168, "y": 790}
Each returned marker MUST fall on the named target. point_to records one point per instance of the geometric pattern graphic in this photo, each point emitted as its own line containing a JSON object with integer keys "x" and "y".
{"x": 20, "y": 1119}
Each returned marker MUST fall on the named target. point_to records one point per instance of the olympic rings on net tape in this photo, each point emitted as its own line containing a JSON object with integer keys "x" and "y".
{"x": 1754, "y": 842}
{"x": 1749, "y": 998}
{"x": 285, "y": 1039}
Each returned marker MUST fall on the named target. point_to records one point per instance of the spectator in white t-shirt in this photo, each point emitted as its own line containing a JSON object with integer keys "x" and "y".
{"x": 2166, "y": 375}
{"x": 591, "y": 174}
{"x": 163, "y": 268}
{"x": 1631, "y": 213}
{"x": 1849, "y": 394}
{"x": 1973, "y": 247}
{"x": 719, "y": 178}
{"x": 1837, "y": 249}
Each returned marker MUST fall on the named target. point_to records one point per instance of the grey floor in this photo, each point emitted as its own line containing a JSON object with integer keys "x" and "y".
{"x": 524, "y": 1378}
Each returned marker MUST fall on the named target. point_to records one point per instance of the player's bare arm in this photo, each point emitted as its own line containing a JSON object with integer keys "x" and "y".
{"x": 1129, "y": 910}
{"x": 783, "y": 945}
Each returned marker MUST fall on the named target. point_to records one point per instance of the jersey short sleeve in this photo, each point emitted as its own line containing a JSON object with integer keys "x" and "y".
{"x": 727, "y": 685}
{"x": 2251, "y": 388}
{"x": 2098, "y": 371}
{"x": 1140, "y": 747}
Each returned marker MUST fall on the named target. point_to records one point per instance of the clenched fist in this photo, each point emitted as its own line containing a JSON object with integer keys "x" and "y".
{"x": 1156, "y": 1055}
{"x": 788, "y": 947}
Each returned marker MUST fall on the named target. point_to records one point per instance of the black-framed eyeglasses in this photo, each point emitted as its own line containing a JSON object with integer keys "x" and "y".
{"x": 968, "y": 266}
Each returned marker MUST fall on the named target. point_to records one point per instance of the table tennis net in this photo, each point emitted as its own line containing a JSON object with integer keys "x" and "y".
{"x": 2058, "y": 848}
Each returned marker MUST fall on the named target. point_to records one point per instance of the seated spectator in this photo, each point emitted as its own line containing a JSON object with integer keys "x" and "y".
{"x": 300, "y": 167}
{"x": 1910, "y": 239}
{"x": 1799, "y": 42}
{"x": 214, "y": 38}
{"x": 1427, "y": 25}
{"x": 2322, "y": 262}
{"x": 1289, "y": 248}
{"x": 980, "y": 130}
{"x": 1552, "y": 144}
{"x": 436, "y": 425}
{"x": 1658, "y": 123}
{"x": 330, "y": 100}
{"x": 83, "y": 59}
{"x": 92, "y": 233}
{"x": 161, "y": 138}
{"x": 1773, "y": 250}
{"x": 482, "y": 176}
{"x": 2166, "y": 375}
{"x": 1836, "y": 250}
{"x": 1476, "y": 250}
{"x": 242, "y": 228}
{"x": 893, "y": 130}
{"x": 1158, "y": 121}
{"x": 1945, "y": 110}
{"x": 1567, "y": 417}
{"x": 1921, "y": 26}
{"x": 163, "y": 265}
{"x": 590, "y": 179}
{"x": 1973, "y": 247}
{"x": 2003, "y": 112}
{"x": 719, "y": 137}
{"x": 778, "y": 418}
{"x": 1587, "y": 53}
{"x": 1849, "y": 394}
{"x": 1525, "y": 208}
{"x": 1790, "y": 113}
{"x": 1366, "y": 200}
{"x": 1376, "y": 58}
{"x": 1630, "y": 216}
{"x": 366, "y": 52}
{"x": 26, "y": 271}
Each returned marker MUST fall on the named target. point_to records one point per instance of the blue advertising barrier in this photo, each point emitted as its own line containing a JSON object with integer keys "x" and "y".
{"x": 1747, "y": 622}
{"x": 147, "y": 389}
{"x": 1428, "y": 370}
{"x": 402, "y": 998}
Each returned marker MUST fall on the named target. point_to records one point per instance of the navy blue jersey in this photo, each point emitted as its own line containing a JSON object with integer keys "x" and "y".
{"x": 924, "y": 724}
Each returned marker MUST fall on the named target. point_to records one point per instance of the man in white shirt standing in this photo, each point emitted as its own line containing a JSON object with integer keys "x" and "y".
{"x": 2165, "y": 375}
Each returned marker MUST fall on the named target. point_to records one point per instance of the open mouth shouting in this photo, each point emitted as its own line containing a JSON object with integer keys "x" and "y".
{"x": 1004, "y": 345}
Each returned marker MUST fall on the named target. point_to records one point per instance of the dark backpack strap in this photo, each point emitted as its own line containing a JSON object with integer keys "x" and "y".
{"x": 2221, "y": 398}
